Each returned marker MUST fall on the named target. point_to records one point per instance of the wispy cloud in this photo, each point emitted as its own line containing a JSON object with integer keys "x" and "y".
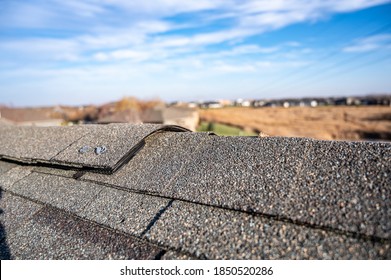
{"x": 372, "y": 43}
{"x": 122, "y": 55}
{"x": 90, "y": 18}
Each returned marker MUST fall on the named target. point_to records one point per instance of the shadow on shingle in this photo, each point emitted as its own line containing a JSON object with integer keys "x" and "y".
{"x": 5, "y": 253}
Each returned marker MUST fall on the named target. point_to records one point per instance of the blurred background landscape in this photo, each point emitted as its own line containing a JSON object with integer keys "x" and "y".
{"x": 299, "y": 68}
{"x": 359, "y": 118}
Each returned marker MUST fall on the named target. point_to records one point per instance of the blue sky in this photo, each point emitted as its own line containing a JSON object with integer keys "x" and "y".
{"x": 82, "y": 52}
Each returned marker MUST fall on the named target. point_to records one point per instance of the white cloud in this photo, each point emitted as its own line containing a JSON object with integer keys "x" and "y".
{"x": 121, "y": 55}
{"x": 352, "y": 5}
{"x": 40, "y": 50}
{"x": 95, "y": 23}
{"x": 80, "y": 8}
{"x": 250, "y": 49}
{"x": 163, "y": 7}
{"x": 372, "y": 43}
{"x": 262, "y": 6}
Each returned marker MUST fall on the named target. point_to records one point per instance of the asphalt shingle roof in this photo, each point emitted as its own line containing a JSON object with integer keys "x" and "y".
{"x": 185, "y": 195}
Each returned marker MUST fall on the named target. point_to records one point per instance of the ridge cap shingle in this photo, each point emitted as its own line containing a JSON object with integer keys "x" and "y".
{"x": 102, "y": 148}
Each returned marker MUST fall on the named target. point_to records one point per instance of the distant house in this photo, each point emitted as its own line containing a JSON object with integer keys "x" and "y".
{"x": 340, "y": 101}
{"x": 211, "y": 105}
{"x": 353, "y": 101}
{"x": 182, "y": 116}
{"x": 175, "y": 115}
{"x": 126, "y": 116}
{"x": 186, "y": 117}
{"x": 152, "y": 115}
{"x": 242, "y": 103}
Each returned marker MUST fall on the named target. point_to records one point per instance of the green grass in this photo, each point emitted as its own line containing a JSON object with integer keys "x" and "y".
{"x": 223, "y": 130}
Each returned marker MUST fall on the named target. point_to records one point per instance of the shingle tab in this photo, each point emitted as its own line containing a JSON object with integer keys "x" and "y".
{"x": 246, "y": 173}
{"x": 153, "y": 168}
{"x": 14, "y": 212}
{"x": 13, "y": 175}
{"x": 121, "y": 141}
{"x": 69, "y": 194}
{"x": 128, "y": 212}
{"x": 346, "y": 185}
{"x": 5, "y": 166}
{"x": 54, "y": 235}
{"x": 30, "y": 144}
{"x": 214, "y": 233}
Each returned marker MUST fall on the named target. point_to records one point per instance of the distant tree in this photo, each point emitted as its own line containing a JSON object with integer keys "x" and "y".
{"x": 133, "y": 103}
{"x": 127, "y": 103}
{"x": 149, "y": 104}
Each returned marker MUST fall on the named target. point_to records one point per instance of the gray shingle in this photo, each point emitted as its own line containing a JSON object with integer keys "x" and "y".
{"x": 223, "y": 171}
{"x": 13, "y": 175}
{"x": 214, "y": 233}
{"x": 38, "y": 143}
{"x": 291, "y": 178}
{"x": 341, "y": 185}
{"x": 64, "y": 193}
{"x": 5, "y": 166}
{"x": 120, "y": 140}
{"x": 153, "y": 168}
{"x": 14, "y": 212}
{"x": 246, "y": 173}
{"x": 346, "y": 185}
{"x": 128, "y": 212}
{"x": 55, "y": 235}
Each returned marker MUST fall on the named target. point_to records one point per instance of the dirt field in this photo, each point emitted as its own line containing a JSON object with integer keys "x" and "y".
{"x": 328, "y": 123}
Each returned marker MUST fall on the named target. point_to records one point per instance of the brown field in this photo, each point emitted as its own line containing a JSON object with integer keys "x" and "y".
{"x": 328, "y": 123}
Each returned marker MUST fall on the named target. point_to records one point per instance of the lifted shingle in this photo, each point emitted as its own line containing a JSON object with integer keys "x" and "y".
{"x": 120, "y": 142}
{"x": 104, "y": 148}
{"x": 154, "y": 167}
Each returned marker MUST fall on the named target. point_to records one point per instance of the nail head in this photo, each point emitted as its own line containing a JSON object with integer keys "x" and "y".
{"x": 100, "y": 150}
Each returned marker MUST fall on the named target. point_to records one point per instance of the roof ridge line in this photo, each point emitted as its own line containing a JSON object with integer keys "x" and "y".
{"x": 70, "y": 156}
